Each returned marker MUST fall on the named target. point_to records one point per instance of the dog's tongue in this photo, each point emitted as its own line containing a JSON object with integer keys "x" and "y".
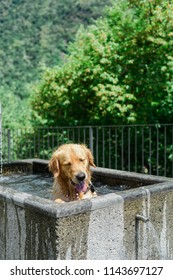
{"x": 81, "y": 187}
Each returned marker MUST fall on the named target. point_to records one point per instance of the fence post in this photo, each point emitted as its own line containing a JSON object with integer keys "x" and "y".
{"x": 1, "y": 161}
{"x": 91, "y": 138}
{"x": 9, "y": 145}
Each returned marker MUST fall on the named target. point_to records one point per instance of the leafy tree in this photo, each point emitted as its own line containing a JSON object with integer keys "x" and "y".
{"x": 119, "y": 70}
{"x": 15, "y": 112}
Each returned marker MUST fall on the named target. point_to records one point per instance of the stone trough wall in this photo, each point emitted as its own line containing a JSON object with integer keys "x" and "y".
{"x": 105, "y": 227}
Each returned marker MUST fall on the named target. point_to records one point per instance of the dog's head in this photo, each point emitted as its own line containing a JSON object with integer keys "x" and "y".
{"x": 72, "y": 162}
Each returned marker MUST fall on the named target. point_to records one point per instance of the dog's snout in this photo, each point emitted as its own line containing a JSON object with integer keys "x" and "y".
{"x": 80, "y": 176}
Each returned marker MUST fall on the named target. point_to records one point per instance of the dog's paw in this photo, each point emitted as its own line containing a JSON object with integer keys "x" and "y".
{"x": 81, "y": 195}
{"x": 59, "y": 200}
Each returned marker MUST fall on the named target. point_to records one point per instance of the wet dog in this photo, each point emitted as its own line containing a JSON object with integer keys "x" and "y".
{"x": 70, "y": 165}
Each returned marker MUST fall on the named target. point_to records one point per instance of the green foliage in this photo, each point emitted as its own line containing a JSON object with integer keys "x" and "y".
{"x": 15, "y": 112}
{"x": 34, "y": 34}
{"x": 146, "y": 57}
{"x": 119, "y": 70}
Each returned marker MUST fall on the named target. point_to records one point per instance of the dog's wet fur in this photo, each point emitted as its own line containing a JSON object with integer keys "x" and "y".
{"x": 70, "y": 165}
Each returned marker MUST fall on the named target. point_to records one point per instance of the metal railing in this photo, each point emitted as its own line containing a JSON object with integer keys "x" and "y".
{"x": 139, "y": 148}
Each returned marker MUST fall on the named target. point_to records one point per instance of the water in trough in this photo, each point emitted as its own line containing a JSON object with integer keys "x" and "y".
{"x": 41, "y": 184}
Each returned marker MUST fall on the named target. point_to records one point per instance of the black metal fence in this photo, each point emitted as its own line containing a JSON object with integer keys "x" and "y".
{"x": 139, "y": 148}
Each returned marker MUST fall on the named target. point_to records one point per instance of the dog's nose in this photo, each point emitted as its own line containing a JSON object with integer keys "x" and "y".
{"x": 80, "y": 176}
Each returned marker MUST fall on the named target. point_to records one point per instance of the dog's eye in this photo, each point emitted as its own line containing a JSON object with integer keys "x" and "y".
{"x": 67, "y": 163}
{"x": 81, "y": 159}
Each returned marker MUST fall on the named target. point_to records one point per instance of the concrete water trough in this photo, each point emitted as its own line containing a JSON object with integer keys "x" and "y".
{"x": 131, "y": 219}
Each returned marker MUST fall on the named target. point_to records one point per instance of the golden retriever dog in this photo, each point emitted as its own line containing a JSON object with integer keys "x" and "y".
{"x": 70, "y": 165}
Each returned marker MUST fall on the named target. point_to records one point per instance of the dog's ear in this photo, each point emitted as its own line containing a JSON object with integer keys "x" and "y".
{"x": 90, "y": 156}
{"x": 54, "y": 165}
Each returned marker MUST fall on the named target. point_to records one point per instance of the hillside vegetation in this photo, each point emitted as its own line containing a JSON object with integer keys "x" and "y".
{"x": 33, "y": 35}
